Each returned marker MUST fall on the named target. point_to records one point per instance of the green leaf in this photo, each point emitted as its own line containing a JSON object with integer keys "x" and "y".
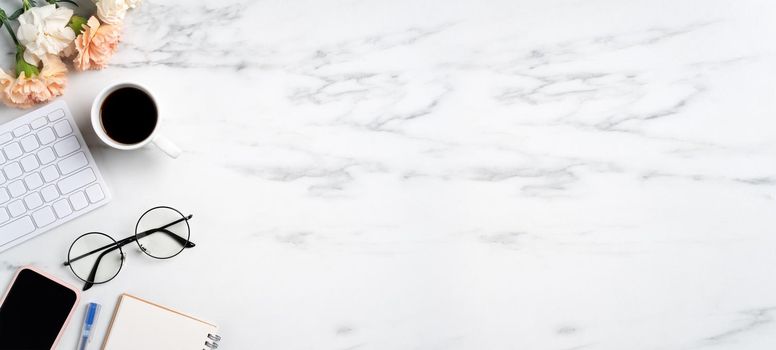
{"x": 16, "y": 14}
{"x": 22, "y": 65}
{"x": 68, "y": 1}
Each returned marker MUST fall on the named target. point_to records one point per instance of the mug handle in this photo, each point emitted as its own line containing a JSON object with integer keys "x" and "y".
{"x": 167, "y": 146}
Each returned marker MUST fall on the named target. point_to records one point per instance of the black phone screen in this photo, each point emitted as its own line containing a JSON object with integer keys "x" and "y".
{"x": 34, "y": 312}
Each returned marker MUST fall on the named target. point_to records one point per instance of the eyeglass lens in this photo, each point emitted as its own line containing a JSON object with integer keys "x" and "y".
{"x": 162, "y": 232}
{"x": 106, "y": 256}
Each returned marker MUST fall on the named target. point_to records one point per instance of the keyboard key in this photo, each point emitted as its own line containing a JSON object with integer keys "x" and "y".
{"x": 16, "y": 208}
{"x": 33, "y": 181}
{"x": 2, "y": 158}
{"x": 4, "y": 217}
{"x": 16, "y": 188}
{"x": 13, "y": 150}
{"x": 30, "y": 143}
{"x": 22, "y": 130}
{"x": 63, "y": 128}
{"x": 62, "y": 208}
{"x": 2, "y": 178}
{"x": 94, "y": 192}
{"x": 33, "y": 200}
{"x": 13, "y": 170}
{"x": 76, "y": 181}
{"x": 50, "y": 173}
{"x": 44, "y": 216}
{"x": 38, "y": 123}
{"x": 29, "y": 162}
{"x": 66, "y": 146}
{"x": 72, "y": 163}
{"x": 78, "y": 200}
{"x": 4, "y": 196}
{"x": 16, "y": 229}
{"x": 5, "y": 138}
{"x": 46, "y": 136}
{"x": 46, "y": 155}
{"x": 50, "y": 193}
{"x": 55, "y": 115}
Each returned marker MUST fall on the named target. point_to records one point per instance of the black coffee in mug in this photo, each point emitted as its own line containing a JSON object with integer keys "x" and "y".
{"x": 128, "y": 115}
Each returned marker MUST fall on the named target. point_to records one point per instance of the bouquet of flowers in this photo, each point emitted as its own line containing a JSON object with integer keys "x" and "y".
{"x": 48, "y": 36}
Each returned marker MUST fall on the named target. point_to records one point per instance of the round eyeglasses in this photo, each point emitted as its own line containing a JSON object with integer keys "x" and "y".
{"x": 161, "y": 232}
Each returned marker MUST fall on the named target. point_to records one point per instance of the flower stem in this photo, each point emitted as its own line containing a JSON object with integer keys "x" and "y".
{"x": 7, "y": 24}
{"x": 22, "y": 66}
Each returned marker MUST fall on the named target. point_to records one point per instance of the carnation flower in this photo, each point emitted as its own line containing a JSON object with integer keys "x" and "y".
{"x": 28, "y": 90}
{"x": 112, "y": 11}
{"x": 54, "y": 74}
{"x": 44, "y": 31}
{"x": 96, "y": 44}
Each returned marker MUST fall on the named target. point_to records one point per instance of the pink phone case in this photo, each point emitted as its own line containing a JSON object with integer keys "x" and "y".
{"x": 57, "y": 281}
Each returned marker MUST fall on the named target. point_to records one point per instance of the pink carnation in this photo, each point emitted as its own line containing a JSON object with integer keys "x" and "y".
{"x": 96, "y": 44}
{"x": 24, "y": 92}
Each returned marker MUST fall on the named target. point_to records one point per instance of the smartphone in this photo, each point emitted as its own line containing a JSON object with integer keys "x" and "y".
{"x": 35, "y": 310}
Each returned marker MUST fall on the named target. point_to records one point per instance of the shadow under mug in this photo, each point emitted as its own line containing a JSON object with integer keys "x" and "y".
{"x": 160, "y": 141}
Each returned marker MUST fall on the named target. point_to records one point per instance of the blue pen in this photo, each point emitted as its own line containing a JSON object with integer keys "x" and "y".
{"x": 92, "y": 311}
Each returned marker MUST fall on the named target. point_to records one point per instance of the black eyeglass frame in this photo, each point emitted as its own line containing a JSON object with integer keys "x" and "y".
{"x": 185, "y": 243}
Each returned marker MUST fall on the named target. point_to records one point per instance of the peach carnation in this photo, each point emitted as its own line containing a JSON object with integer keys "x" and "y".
{"x": 24, "y": 92}
{"x": 96, "y": 44}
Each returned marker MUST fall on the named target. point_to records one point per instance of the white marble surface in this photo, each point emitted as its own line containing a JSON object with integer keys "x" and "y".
{"x": 435, "y": 174}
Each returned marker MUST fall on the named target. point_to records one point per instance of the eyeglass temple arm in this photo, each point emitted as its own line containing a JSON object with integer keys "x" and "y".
{"x": 182, "y": 241}
{"x": 185, "y": 218}
{"x": 118, "y": 244}
{"x": 93, "y": 273}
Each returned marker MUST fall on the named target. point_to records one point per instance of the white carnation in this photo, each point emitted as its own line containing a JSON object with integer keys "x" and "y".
{"x": 112, "y": 11}
{"x": 43, "y": 31}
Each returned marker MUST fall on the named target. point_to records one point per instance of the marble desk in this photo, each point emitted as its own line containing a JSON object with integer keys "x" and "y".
{"x": 511, "y": 174}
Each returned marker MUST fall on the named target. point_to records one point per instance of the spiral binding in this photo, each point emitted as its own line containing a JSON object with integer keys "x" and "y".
{"x": 213, "y": 342}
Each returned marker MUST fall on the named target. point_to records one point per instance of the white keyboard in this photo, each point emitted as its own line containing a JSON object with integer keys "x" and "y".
{"x": 47, "y": 174}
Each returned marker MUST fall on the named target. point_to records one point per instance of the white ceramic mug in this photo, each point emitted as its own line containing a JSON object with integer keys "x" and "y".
{"x": 160, "y": 141}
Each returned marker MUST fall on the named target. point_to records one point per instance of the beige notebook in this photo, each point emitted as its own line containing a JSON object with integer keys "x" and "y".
{"x": 141, "y": 324}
